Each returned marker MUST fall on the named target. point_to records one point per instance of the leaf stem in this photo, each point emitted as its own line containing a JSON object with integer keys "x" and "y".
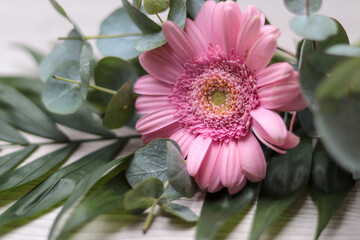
{"x": 159, "y": 18}
{"x": 149, "y": 217}
{"x": 286, "y": 51}
{"x": 101, "y": 36}
{"x": 105, "y": 90}
{"x": 166, "y": 184}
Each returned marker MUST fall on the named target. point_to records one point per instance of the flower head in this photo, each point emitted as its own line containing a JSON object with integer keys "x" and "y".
{"x": 210, "y": 90}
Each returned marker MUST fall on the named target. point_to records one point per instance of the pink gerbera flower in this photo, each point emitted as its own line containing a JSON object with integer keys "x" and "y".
{"x": 209, "y": 90}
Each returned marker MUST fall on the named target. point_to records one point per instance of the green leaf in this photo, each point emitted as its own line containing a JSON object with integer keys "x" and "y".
{"x": 300, "y": 7}
{"x": 112, "y": 73}
{"x": 145, "y": 24}
{"x": 60, "y": 184}
{"x": 85, "y": 59}
{"x": 63, "y": 97}
{"x": 137, "y": 3}
{"x": 288, "y": 173}
{"x": 316, "y": 68}
{"x": 143, "y": 195}
{"x": 79, "y": 192}
{"x": 219, "y": 207}
{"x": 180, "y": 211}
{"x": 306, "y": 120}
{"x": 177, "y": 172}
{"x": 121, "y": 108}
{"x": 314, "y": 27}
{"x": 124, "y": 47}
{"x": 339, "y": 113}
{"x": 10, "y": 134}
{"x": 193, "y": 7}
{"x": 267, "y": 211}
{"x": 177, "y": 14}
{"x": 155, "y": 6}
{"x": 150, "y": 161}
{"x": 36, "y": 55}
{"x": 21, "y": 113}
{"x": 329, "y": 186}
{"x": 69, "y": 50}
{"x": 36, "y": 168}
{"x": 27, "y": 86}
{"x": 9, "y": 161}
{"x": 62, "y": 12}
{"x": 344, "y": 50}
{"x": 106, "y": 199}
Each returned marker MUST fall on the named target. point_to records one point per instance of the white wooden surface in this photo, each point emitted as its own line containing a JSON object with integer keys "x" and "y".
{"x": 36, "y": 24}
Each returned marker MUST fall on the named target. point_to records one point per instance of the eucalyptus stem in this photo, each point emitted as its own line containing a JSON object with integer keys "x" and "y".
{"x": 166, "y": 184}
{"x": 101, "y": 36}
{"x": 149, "y": 217}
{"x": 286, "y": 51}
{"x": 105, "y": 90}
{"x": 159, "y": 18}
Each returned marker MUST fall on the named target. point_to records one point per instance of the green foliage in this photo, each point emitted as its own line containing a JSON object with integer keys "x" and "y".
{"x": 9, "y": 134}
{"x": 300, "y": 7}
{"x": 179, "y": 211}
{"x": 329, "y": 186}
{"x": 193, "y": 7}
{"x": 155, "y": 6}
{"x": 85, "y": 59}
{"x": 306, "y": 120}
{"x": 9, "y": 161}
{"x": 219, "y": 207}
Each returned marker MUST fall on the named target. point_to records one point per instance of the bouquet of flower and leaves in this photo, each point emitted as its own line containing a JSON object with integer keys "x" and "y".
{"x": 221, "y": 109}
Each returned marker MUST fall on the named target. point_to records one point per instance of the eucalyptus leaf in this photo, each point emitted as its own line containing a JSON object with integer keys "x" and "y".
{"x": 344, "y": 50}
{"x": 180, "y": 211}
{"x": 121, "y": 107}
{"x": 69, "y": 50}
{"x": 177, "y": 13}
{"x": 314, "y": 27}
{"x": 85, "y": 59}
{"x": 60, "y": 96}
{"x": 303, "y": 7}
{"x": 193, "y": 7}
{"x": 155, "y": 6}
{"x": 145, "y": 24}
{"x": 9, "y": 161}
{"x": 36, "y": 168}
{"x": 339, "y": 113}
{"x": 219, "y": 207}
{"x": 106, "y": 199}
{"x": 83, "y": 187}
{"x": 306, "y": 120}
{"x": 150, "y": 161}
{"x": 143, "y": 195}
{"x": 9, "y": 134}
{"x": 329, "y": 186}
{"x": 124, "y": 47}
{"x": 177, "y": 172}
{"x": 60, "y": 184}
{"x": 267, "y": 211}
{"x": 21, "y": 113}
{"x": 288, "y": 173}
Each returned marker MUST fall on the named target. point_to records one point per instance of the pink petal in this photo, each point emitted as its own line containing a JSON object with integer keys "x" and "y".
{"x": 147, "y": 104}
{"x": 269, "y": 125}
{"x": 156, "y": 120}
{"x": 297, "y": 104}
{"x": 252, "y": 158}
{"x": 207, "y": 176}
{"x": 196, "y": 36}
{"x": 180, "y": 41}
{"x": 164, "y": 132}
{"x": 262, "y": 52}
{"x": 291, "y": 141}
{"x": 238, "y": 186}
{"x": 268, "y": 144}
{"x": 204, "y": 16}
{"x": 274, "y": 73}
{"x": 251, "y": 11}
{"x": 160, "y": 68}
{"x": 231, "y": 171}
{"x": 270, "y": 29}
{"x": 197, "y": 153}
{"x": 217, "y": 24}
{"x": 149, "y": 85}
{"x": 184, "y": 139}
{"x": 231, "y": 17}
{"x": 248, "y": 35}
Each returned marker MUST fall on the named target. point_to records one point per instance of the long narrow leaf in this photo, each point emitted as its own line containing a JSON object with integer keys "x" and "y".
{"x": 9, "y": 134}
{"x": 36, "y": 168}
{"x": 60, "y": 185}
{"x": 81, "y": 189}
{"x": 9, "y": 161}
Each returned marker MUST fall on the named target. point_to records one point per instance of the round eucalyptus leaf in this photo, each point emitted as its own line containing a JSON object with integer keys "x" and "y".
{"x": 344, "y": 50}
{"x": 303, "y": 7}
{"x": 155, "y": 6}
{"x": 314, "y": 27}
{"x": 123, "y": 47}
{"x": 63, "y": 97}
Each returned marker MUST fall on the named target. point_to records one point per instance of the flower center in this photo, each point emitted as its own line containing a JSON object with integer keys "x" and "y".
{"x": 214, "y": 96}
